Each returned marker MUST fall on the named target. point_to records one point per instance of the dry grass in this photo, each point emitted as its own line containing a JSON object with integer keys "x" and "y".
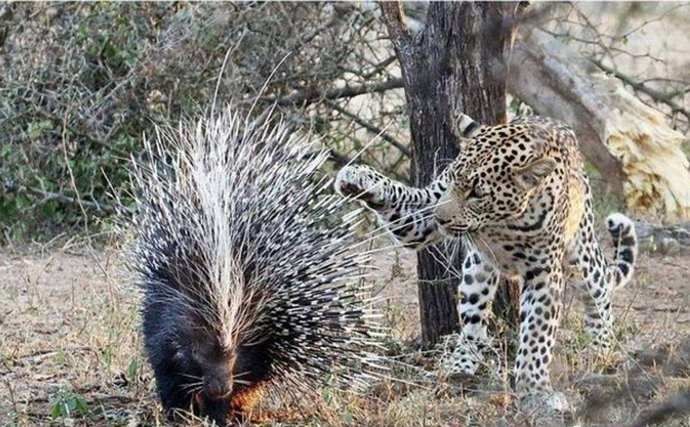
{"x": 70, "y": 353}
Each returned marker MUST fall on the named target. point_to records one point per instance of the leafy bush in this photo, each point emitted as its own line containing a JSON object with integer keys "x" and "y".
{"x": 85, "y": 81}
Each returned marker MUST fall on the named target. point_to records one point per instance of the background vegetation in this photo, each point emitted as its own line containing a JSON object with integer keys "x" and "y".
{"x": 83, "y": 82}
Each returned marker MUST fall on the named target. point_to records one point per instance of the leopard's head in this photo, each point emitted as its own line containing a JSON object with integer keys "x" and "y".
{"x": 492, "y": 180}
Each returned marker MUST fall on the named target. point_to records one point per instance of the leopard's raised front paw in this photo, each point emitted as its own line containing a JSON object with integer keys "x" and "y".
{"x": 361, "y": 183}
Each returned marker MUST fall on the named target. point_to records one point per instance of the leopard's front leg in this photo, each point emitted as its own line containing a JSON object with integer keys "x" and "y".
{"x": 405, "y": 211}
{"x": 476, "y": 292}
{"x": 540, "y": 310}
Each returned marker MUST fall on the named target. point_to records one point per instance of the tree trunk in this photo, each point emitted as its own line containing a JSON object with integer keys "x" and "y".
{"x": 453, "y": 64}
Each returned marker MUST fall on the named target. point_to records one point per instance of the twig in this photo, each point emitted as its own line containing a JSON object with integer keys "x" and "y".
{"x": 654, "y": 309}
{"x": 102, "y": 143}
{"x": 309, "y": 95}
{"x": 380, "y": 67}
{"x": 370, "y": 127}
{"x": 664, "y": 98}
{"x": 71, "y": 173}
{"x": 49, "y": 195}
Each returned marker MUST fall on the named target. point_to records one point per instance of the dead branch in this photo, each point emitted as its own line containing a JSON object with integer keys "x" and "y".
{"x": 49, "y": 195}
{"x": 676, "y": 406}
{"x": 548, "y": 83}
{"x": 630, "y": 143}
{"x": 309, "y": 95}
{"x": 657, "y": 96}
{"x": 370, "y": 127}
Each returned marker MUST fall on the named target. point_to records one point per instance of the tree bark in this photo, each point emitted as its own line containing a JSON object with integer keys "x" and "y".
{"x": 454, "y": 64}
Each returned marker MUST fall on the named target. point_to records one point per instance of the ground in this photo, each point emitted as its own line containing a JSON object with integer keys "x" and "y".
{"x": 70, "y": 352}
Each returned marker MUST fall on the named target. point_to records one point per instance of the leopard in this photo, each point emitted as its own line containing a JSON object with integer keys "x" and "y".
{"x": 518, "y": 198}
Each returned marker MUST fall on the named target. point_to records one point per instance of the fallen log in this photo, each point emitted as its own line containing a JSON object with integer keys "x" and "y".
{"x": 638, "y": 154}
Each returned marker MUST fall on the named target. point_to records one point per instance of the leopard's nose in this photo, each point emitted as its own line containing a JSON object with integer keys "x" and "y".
{"x": 444, "y": 211}
{"x": 460, "y": 228}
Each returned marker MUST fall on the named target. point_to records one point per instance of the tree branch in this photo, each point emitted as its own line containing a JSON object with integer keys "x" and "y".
{"x": 547, "y": 76}
{"x": 658, "y": 96}
{"x": 49, "y": 195}
{"x": 393, "y": 16}
{"x": 309, "y": 95}
{"x": 370, "y": 127}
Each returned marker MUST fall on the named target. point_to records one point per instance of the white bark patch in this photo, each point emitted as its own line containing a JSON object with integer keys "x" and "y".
{"x": 657, "y": 170}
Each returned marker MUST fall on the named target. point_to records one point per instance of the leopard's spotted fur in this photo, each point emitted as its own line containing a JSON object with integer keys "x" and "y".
{"x": 520, "y": 191}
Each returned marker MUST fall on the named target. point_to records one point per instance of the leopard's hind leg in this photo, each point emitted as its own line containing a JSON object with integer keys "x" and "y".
{"x": 598, "y": 277}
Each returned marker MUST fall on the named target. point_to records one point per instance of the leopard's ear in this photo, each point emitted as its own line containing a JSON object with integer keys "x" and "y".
{"x": 462, "y": 125}
{"x": 532, "y": 175}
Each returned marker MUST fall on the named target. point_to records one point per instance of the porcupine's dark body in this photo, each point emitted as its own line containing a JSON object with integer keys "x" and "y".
{"x": 245, "y": 289}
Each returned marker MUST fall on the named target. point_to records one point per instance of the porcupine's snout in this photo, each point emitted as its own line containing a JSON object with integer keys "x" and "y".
{"x": 218, "y": 382}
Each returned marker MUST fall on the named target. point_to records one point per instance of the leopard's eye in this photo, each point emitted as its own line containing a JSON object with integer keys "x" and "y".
{"x": 476, "y": 191}
{"x": 473, "y": 194}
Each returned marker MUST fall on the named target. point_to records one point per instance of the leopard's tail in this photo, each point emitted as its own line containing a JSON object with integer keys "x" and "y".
{"x": 619, "y": 271}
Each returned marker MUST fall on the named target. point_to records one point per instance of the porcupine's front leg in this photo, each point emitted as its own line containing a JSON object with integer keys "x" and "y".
{"x": 178, "y": 381}
{"x": 406, "y": 212}
{"x": 173, "y": 380}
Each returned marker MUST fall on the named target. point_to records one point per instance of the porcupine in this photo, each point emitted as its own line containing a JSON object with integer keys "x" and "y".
{"x": 249, "y": 284}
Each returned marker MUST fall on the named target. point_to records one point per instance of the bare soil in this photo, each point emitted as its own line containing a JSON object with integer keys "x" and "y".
{"x": 70, "y": 352}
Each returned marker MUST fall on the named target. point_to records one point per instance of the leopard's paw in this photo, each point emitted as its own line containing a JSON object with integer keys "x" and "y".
{"x": 460, "y": 365}
{"x": 361, "y": 183}
{"x": 463, "y": 358}
{"x": 546, "y": 404}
